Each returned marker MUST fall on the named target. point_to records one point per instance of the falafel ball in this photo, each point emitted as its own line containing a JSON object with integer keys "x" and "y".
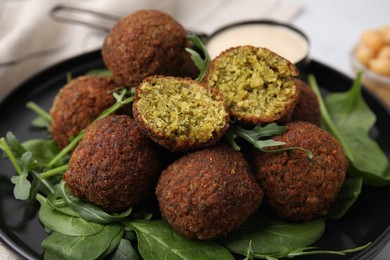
{"x": 114, "y": 166}
{"x": 145, "y": 43}
{"x": 208, "y": 193}
{"x": 180, "y": 114}
{"x": 308, "y": 108}
{"x": 258, "y": 84}
{"x": 77, "y": 104}
{"x": 295, "y": 186}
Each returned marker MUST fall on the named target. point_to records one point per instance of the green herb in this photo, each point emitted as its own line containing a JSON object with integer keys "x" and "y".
{"x": 157, "y": 240}
{"x": 270, "y": 235}
{"x": 304, "y": 251}
{"x": 60, "y": 246}
{"x": 99, "y": 72}
{"x": 201, "y": 62}
{"x": 124, "y": 251}
{"x": 65, "y": 224}
{"x": 89, "y": 211}
{"x": 348, "y": 118}
{"x": 43, "y": 120}
{"x": 348, "y": 194}
{"x": 254, "y": 136}
{"x": 22, "y": 185}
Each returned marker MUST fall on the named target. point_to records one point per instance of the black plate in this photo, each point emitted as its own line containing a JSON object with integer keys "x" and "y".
{"x": 368, "y": 220}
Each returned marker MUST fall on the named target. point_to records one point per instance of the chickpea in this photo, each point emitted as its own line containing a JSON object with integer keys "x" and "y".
{"x": 364, "y": 54}
{"x": 373, "y": 39}
{"x": 380, "y": 66}
{"x": 385, "y": 31}
{"x": 384, "y": 53}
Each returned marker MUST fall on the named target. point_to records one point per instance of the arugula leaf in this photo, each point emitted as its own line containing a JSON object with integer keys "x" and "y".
{"x": 157, "y": 240}
{"x": 351, "y": 127}
{"x": 89, "y": 211}
{"x": 99, "y": 72}
{"x": 22, "y": 185}
{"x": 254, "y": 136}
{"x": 200, "y": 62}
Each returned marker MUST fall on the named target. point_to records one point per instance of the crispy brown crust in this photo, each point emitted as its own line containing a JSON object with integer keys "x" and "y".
{"x": 114, "y": 166}
{"x": 295, "y": 186}
{"x": 77, "y": 104}
{"x": 170, "y": 142}
{"x": 307, "y": 108}
{"x": 144, "y": 43}
{"x": 208, "y": 193}
{"x": 249, "y": 120}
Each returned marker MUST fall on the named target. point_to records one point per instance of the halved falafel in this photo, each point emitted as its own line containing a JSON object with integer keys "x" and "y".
{"x": 179, "y": 113}
{"x": 77, "y": 104}
{"x": 114, "y": 166}
{"x": 295, "y": 186}
{"x": 258, "y": 85}
{"x": 145, "y": 43}
{"x": 208, "y": 193}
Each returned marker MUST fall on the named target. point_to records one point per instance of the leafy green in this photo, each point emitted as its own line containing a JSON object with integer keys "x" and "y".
{"x": 348, "y": 118}
{"x": 269, "y": 235}
{"x": 89, "y": 211}
{"x": 348, "y": 194}
{"x": 300, "y": 252}
{"x": 60, "y": 246}
{"x": 68, "y": 225}
{"x": 254, "y": 136}
{"x": 201, "y": 62}
{"x": 43, "y": 120}
{"x": 157, "y": 240}
{"x": 124, "y": 251}
{"x": 22, "y": 185}
{"x": 99, "y": 72}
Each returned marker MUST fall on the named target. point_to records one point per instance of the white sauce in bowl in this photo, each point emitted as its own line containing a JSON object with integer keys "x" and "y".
{"x": 278, "y": 38}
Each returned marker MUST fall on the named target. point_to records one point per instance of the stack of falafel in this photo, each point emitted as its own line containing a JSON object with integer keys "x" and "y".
{"x": 170, "y": 144}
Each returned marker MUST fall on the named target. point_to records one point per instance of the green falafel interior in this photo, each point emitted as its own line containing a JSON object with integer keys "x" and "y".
{"x": 257, "y": 83}
{"x": 181, "y": 109}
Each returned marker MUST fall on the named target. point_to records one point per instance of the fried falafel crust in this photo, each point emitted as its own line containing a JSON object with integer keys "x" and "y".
{"x": 208, "y": 193}
{"x": 180, "y": 114}
{"x": 114, "y": 166}
{"x": 145, "y": 43}
{"x": 257, "y": 84}
{"x": 295, "y": 186}
{"x": 77, "y": 104}
{"x": 308, "y": 108}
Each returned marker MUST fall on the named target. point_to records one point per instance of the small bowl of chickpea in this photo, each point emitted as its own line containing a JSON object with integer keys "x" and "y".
{"x": 372, "y": 56}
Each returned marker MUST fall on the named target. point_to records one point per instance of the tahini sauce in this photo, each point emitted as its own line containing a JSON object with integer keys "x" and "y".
{"x": 282, "y": 40}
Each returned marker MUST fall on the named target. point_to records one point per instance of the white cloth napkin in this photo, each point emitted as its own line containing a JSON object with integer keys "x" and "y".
{"x": 31, "y": 41}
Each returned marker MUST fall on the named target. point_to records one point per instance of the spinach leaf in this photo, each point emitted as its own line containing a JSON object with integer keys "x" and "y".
{"x": 348, "y": 118}
{"x": 269, "y": 235}
{"x": 124, "y": 251}
{"x": 348, "y": 194}
{"x": 65, "y": 224}
{"x": 89, "y": 211}
{"x": 157, "y": 240}
{"x": 60, "y": 246}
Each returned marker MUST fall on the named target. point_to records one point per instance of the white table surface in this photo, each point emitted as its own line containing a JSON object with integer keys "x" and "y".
{"x": 333, "y": 27}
